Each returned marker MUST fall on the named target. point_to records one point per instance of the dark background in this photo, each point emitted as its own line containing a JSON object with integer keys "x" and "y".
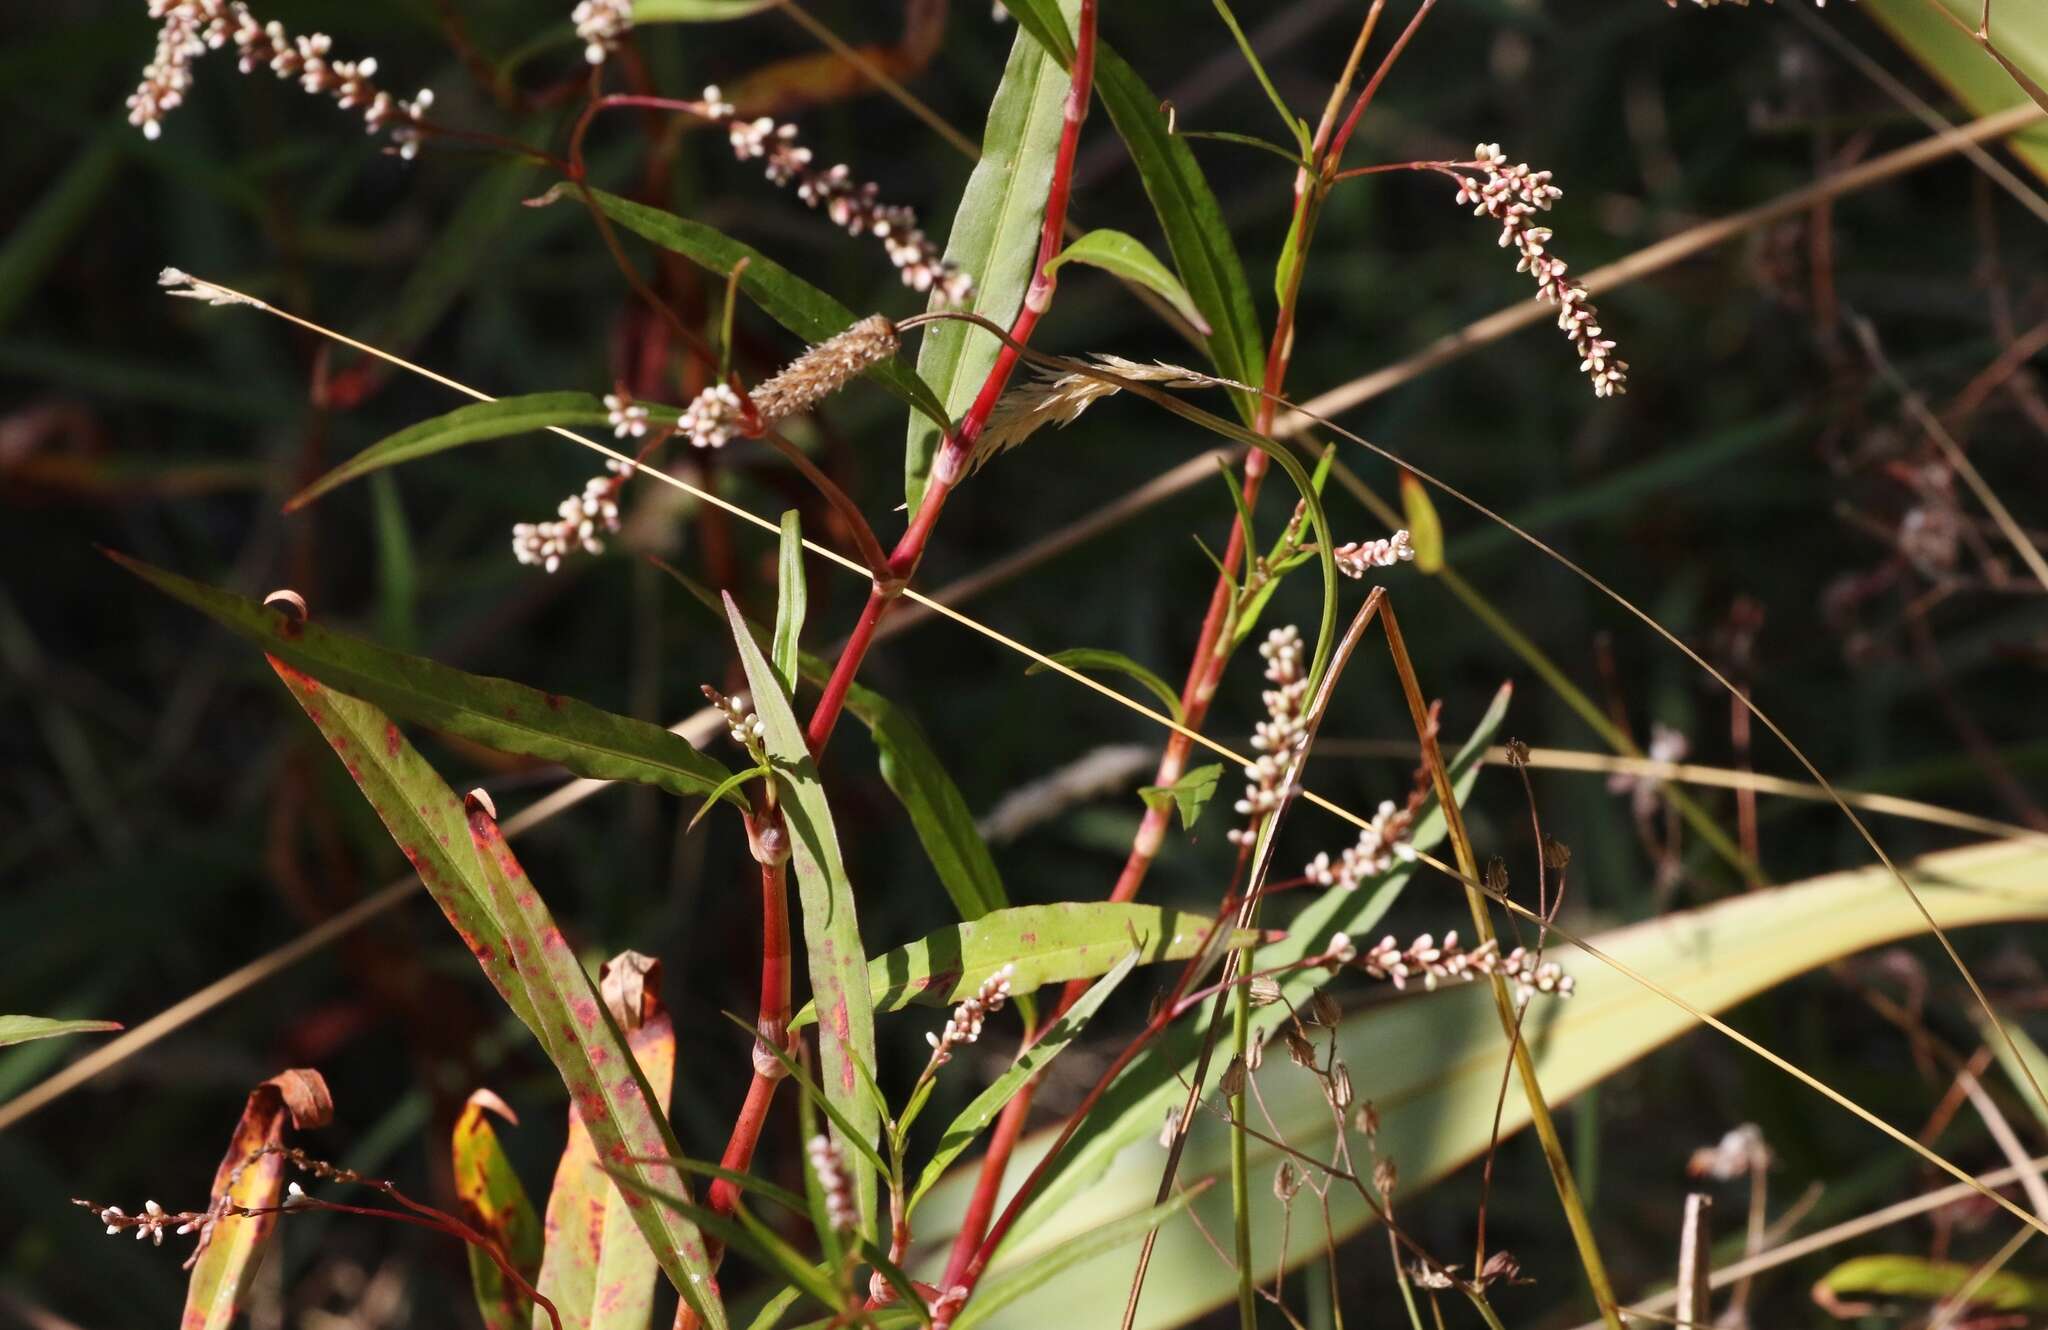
{"x": 166, "y": 814}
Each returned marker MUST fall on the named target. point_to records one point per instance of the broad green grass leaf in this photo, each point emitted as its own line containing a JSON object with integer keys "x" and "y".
{"x": 1126, "y": 256}
{"x": 1190, "y": 794}
{"x": 1436, "y": 1060}
{"x": 1007, "y": 1284}
{"x": 2019, "y": 31}
{"x": 617, "y": 1081}
{"x": 1897, "y": 1276}
{"x": 222, "y": 1273}
{"x": 497, "y": 713}
{"x": 994, "y": 239}
{"x": 21, "y": 1029}
{"x": 838, "y": 964}
{"x": 1097, "y": 658}
{"x": 598, "y": 1270}
{"x": 696, "y": 11}
{"x": 790, "y": 600}
{"x": 494, "y": 1203}
{"x": 1188, "y": 212}
{"x": 465, "y": 424}
{"x": 973, "y": 1120}
{"x": 782, "y": 295}
{"x": 1045, "y": 944}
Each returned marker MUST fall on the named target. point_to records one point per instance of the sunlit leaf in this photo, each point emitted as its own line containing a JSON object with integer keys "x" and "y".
{"x": 255, "y": 1180}
{"x": 1425, "y": 528}
{"x": 1125, "y": 256}
{"x": 494, "y": 1203}
{"x": 994, "y": 239}
{"x": 1044, "y": 944}
{"x": 1011, "y": 1282}
{"x": 1190, "y": 794}
{"x": 1974, "y": 75}
{"x": 22, "y": 1029}
{"x": 696, "y": 11}
{"x": 497, "y": 713}
{"x": 790, "y": 600}
{"x": 838, "y": 969}
{"x": 1900, "y": 1276}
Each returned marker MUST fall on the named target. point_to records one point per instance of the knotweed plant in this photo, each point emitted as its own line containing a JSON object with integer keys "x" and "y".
{"x": 715, "y": 400}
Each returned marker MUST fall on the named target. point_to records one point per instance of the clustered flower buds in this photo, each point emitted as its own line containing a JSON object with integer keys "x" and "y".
{"x": 1277, "y": 737}
{"x": 1666, "y": 745}
{"x": 711, "y": 418}
{"x": 851, "y": 204}
{"x": 1531, "y": 974}
{"x": 746, "y": 727}
{"x": 1432, "y": 964}
{"x": 191, "y": 28}
{"x": 964, "y": 1027}
{"x": 1360, "y": 556}
{"x": 1512, "y": 195}
{"x": 1380, "y": 845}
{"x": 1739, "y": 1152}
{"x": 840, "y": 1210}
{"x": 627, "y": 417}
{"x": 600, "y": 24}
{"x": 579, "y": 519}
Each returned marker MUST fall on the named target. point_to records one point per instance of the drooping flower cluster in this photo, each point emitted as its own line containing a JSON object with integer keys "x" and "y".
{"x": 746, "y": 727}
{"x": 1428, "y": 962}
{"x": 579, "y": 520}
{"x": 834, "y": 1182}
{"x": 1279, "y": 735}
{"x": 191, "y": 28}
{"x": 1379, "y": 845}
{"x": 627, "y": 417}
{"x": 1512, "y": 195}
{"x": 964, "y": 1026}
{"x": 1361, "y": 556}
{"x": 852, "y": 204}
{"x": 599, "y": 26}
{"x": 151, "y": 1223}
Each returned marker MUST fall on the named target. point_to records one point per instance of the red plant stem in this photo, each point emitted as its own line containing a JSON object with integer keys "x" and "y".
{"x": 770, "y": 841}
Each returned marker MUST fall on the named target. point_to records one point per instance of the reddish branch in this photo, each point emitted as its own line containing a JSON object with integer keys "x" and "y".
{"x": 769, "y": 840}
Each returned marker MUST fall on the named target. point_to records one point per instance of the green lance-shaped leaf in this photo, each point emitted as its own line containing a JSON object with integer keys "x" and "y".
{"x": 790, "y": 600}
{"x": 974, "y": 1119}
{"x": 1008, "y": 1283}
{"x": 1125, "y": 256}
{"x": 494, "y": 1203}
{"x": 1895, "y": 1276}
{"x": 497, "y": 713}
{"x": 22, "y": 1029}
{"x": 1980, "y": 80}
{"x": 1043, "y": 944}
{"x": 1190, "y": 794}
{"x": 475, "y": 423}
{"x": 254, "y": 1179}
{"x": 782, "y": 295}
{"x": 838, "y": 964}
{"x": 612, "y": 1094}
{"x": 994, "y": 238}
{"x": 598, "y": 1270}
{"x": 696, "y": 11}
{"x": 1116, "y": 662}
{"x": 1188, "y": 212}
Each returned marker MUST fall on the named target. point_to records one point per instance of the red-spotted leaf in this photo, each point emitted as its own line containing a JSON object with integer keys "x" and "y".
{"x": 494, "y": 1204}
{"x": 598, "y": 1270}
{"x": 229, "y": 1251}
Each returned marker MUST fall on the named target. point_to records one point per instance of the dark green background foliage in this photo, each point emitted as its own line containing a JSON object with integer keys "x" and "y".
{"x": 165, "y": 814}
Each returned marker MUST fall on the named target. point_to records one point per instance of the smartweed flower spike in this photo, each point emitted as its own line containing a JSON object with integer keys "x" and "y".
{"x": 840, "y": 1210}
{"x": 1380, "y": 845}
{"x": 964, "y": 1027}
{"x": 627, "y": 417}
{"x": 600, "y": 24}
{"x": 191, "y": 28}
{"x": 1512, "y": 195}
{"x": 1362, "y": 556}
{"x": 824, "y": 369}
{"x": 579, "y": 519}
{"x": 1277, "y": 736}
{"x": 852, "y": 204}
{"x": 1431, "y": 964}
{"x": 746, "y": 727}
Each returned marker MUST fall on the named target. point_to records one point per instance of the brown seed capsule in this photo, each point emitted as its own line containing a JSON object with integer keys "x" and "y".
{"x": 1323, "y": 1010}
{"x": 1497, "y": 875}
{"x": 1286, "y": 1182}
{"x": 1501, "y": 1267}
{"x": 1518, "y": 753}
{"x": 1556, "y": 854}
{"x": 1265, "y": 990}
{"x": 1385, "y": 1176}
{"x": 1367, "y": 1119}
{"x": 1233, "y": 1079}
{"x": 1338, "y": 1090}
{"x": 1300, "y": 1049}
{"x": 1255, "y": 1052}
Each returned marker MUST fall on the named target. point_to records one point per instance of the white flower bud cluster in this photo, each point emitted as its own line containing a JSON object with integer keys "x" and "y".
{"x": 840, "y": 1209}
{"x": 191, "y": 28}
{"x": 1278, "y": 736}
{"x": 1429, "y": 962}
{"x": 1739, "y": 1152}
{"x": 599, "y": 26}
{"x": 1360, "y": 556}
{"x": 1530, "y": 975}
{"x": 579, "y": 519}
{"x": 154, "y": 1221}
{"x": 627, "y": 417}
{"x": 1512, "y": 195}
{"x": 854, "y": 205}
{"x": 964, "y": 1027}
{"x": 711, "y": 418}
{"x": 746, "y": 727}
{"x": 1379, "y": 846}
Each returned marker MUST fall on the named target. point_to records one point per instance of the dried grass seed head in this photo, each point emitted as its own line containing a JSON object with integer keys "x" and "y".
{"x": 826, "y": 368}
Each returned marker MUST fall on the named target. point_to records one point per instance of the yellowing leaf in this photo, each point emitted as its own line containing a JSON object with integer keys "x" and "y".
{"x": 1425, "y": 529}
{"x": 494, "y": 1203}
